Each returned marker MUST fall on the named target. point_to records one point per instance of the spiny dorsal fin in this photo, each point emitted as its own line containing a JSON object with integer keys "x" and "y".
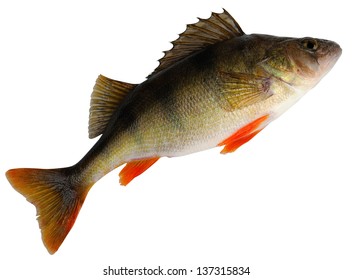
{"x": 106, "y": 97}
{"x": 219, "y": 27}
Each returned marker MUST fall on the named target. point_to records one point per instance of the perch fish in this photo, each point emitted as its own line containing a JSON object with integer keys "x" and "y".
{"x": 217, "y": 87}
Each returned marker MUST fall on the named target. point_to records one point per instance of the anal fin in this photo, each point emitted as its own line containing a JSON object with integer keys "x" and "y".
{"x": 243, "y": 135}
{"x": 135, "y": 168}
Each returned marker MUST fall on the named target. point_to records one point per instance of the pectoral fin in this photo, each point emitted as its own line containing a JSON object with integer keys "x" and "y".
{"x": 242, "y": 89}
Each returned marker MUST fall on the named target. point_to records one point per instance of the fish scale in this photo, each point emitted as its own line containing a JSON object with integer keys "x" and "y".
{"x": 217, "y": 87}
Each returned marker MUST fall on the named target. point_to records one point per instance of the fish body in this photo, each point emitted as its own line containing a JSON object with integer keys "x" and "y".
{"x": 216, "y": 87}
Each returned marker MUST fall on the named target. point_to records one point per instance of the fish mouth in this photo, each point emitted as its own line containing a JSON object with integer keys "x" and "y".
{"x": 329, "y": 55}
{"x": 335, "y": 51}
{"x": 339, "y": 50}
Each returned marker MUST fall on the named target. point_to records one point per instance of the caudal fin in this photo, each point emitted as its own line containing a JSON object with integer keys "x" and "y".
{"x": 56, "y": 196}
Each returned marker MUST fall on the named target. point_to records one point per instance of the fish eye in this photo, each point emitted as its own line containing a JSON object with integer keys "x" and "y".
{"x": 310, "y": 44}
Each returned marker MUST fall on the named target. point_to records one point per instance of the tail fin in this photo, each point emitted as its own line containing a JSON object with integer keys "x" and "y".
{"x": 55, "y": 195}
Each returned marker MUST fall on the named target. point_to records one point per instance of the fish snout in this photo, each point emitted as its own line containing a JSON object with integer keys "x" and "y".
{"x": 328, "y": 55}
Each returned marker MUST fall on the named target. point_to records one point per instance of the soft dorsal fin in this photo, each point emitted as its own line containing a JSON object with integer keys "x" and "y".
{"x": 219, "y": 27}
{"x": 106, "y": 97}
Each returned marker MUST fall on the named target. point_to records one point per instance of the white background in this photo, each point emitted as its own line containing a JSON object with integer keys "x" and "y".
{"x": 281, "y": 204}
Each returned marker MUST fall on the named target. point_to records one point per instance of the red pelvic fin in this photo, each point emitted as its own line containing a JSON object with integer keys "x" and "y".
{"x": 242, "y": 135}
{"x": 135, "y": 168}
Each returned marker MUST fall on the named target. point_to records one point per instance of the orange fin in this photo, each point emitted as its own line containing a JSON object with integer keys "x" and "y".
{"x": 57, "y": 199}
{"x": 135, "y": 168}
{"x": 242, "y": 135}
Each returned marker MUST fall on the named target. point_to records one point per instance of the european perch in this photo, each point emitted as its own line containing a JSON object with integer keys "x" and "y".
{"x": 217, "y": 86}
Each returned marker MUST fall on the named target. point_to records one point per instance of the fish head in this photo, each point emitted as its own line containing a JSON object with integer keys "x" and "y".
{"x": 302, "y": 62}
